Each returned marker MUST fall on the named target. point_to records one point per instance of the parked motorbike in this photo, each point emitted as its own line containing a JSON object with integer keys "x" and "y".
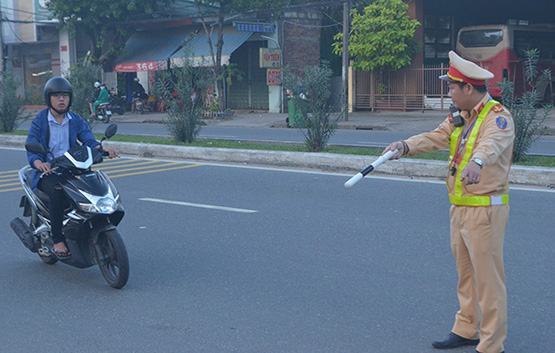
{"x": 92, "y": 214}
{"x": 139, "y": 105}
{"x": 104, "y": 112}
{"x": 117, "y": 104}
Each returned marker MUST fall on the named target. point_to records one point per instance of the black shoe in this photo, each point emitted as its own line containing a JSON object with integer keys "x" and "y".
{"x": 454, "y": 341}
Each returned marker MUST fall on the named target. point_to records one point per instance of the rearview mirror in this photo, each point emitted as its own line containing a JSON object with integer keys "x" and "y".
{"x": 111, "y": 130}
{"x": 35, "y": 148}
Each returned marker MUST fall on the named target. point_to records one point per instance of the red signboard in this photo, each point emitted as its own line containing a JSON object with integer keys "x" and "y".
{"x": 273, "y": 77}
{"x": 141, "y": 66}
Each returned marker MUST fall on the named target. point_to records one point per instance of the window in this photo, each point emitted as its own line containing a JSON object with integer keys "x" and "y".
{"x": 437, "y": 38}
{"x": 481, "y": 38}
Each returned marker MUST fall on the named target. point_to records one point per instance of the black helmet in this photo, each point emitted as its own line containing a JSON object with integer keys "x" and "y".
{"x": 57, "y": 84}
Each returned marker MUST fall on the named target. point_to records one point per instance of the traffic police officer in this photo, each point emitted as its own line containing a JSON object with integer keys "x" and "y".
{"x": 477, "y": 182}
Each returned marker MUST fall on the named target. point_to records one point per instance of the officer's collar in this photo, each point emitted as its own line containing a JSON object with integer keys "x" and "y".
{"x": 481, "y": 104}
{"x": 469, "y": 115}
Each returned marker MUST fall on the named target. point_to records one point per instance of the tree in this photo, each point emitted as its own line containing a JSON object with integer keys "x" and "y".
{"x": 528, "y": 121}
{"x": 105, "y": 22}
{"x": 311, "y": 93}
{"x": 182, "y": 90}
{"x": 215, "y": 14}
{"x": 382, "y": 37}
{"x": 82, "y": 76}
{"x": 11, "y": 106}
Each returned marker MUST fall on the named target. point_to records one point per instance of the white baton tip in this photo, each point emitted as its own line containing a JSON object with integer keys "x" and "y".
{"x": 355, "y": 179}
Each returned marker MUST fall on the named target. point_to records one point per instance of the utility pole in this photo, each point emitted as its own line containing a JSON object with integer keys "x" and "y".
{"x": 345, "y": 66}
{"x": 1, "y": 41}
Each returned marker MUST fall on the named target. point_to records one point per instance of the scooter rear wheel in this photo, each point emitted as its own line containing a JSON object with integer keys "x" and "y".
{"x": 112, "y": 258}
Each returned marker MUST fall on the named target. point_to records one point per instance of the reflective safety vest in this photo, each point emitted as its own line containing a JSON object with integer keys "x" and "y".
{"x": 456, "y": 197}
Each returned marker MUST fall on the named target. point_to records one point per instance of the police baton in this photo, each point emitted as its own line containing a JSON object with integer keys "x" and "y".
{"x": 358, "y": 177}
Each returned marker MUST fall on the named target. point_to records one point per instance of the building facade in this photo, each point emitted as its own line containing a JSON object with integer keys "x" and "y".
{"x": 417, "y": 87}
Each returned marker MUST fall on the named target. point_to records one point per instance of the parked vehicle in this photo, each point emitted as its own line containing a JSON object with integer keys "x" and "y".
{"x": 499, "y": 49}
{"x": 92, "y": 214}
{"x": 117, "y": 104}
{"x": 139, "y": 105}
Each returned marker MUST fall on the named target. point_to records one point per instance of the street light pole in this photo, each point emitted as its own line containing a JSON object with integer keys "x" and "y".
{"x": 281, "y": 106}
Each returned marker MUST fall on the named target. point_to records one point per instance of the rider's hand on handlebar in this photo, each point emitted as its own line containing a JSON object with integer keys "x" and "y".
{"x": 42, "y": 166}
{"x": 112, "y": 153}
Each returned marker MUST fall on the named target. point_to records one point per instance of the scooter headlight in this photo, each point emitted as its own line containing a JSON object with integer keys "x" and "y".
{"x": 106, "y": 205}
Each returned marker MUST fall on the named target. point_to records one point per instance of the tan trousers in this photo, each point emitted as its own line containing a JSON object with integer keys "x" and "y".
{"x": 477, "y": 235}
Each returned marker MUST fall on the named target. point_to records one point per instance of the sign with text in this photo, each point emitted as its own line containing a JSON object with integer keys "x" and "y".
{"x": 270, "y": 57}
{"x": 273, "y": 77}
{"x": 141, "y": 66}
{"x": 254, "y": 27}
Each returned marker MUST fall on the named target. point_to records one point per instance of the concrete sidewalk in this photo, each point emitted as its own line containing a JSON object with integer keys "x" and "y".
{"x": 412, "y": 122}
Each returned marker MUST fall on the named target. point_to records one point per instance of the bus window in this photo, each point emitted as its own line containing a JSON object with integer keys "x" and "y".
{"x": 481, "y": 38}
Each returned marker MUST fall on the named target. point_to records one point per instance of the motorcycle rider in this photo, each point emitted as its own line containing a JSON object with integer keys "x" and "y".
{"x": 138, "y": 89}
{"x": 57, "y": 129}
{"x": 103, "y": 96}
{"x": 138, "y": 93}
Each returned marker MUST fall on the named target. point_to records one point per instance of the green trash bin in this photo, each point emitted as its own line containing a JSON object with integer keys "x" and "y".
{"x": 294, "y": 115}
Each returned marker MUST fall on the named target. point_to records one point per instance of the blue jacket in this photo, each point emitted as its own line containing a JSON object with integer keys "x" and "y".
{"x": 40, "y": 133}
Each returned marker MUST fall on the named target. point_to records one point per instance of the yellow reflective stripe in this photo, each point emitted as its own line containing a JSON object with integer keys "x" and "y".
{"x": 457, "y": 197}
{"x": 453, "y": 139}
{"x": 459, "y": 200}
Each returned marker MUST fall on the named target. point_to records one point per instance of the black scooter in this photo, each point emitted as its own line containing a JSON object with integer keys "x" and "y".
{"x": 92, "y": 213}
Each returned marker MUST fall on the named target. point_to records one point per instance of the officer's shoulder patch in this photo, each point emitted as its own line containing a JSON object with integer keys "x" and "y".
{"x": 501, "y": 122}
{"x": 498, "y": 108}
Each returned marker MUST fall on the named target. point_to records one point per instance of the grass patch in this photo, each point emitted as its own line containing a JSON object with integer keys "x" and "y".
{"x": 538, "y": 161}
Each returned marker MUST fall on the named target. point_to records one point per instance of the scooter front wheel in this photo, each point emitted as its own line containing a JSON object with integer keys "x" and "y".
{"x": 112, "y": 258}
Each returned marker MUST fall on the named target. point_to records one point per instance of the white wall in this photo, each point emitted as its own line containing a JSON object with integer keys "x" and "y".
{"x": 274, "y": 92}
{"x": 110, "y": 79}
{"x": 67, "y": 51}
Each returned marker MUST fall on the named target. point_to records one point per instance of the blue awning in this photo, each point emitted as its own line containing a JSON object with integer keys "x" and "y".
{"x": 196, "y": 50}
{"x": 150, "y": 50}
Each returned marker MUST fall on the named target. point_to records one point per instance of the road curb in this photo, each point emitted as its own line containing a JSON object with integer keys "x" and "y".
{"x": 538, "y": 176}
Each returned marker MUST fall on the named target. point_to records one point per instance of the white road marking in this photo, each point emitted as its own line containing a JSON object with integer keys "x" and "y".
{"x": 199, "y": 205}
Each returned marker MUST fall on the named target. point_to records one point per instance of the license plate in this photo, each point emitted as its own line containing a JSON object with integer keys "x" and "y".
{"x": 108, "y": 112}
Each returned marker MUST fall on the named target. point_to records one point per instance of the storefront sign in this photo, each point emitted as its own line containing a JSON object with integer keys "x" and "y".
{"x": 141, "y": 66}
{"x": 270, "y": 57}
{"x": 254, "y": 27}
{"x": 273, "y": 77}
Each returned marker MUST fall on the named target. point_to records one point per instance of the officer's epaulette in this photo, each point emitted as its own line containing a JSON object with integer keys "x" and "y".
{"x": 498, "y": 108}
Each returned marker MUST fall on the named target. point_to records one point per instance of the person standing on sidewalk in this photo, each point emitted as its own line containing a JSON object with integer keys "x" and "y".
{"x": 477, "y": 182}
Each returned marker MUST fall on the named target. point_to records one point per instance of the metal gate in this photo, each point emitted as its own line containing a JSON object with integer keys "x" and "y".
{"x": 248, "y": 90}
{"x": 406, "y": 89}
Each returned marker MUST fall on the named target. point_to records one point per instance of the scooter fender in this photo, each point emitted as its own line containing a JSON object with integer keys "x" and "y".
{"x": 83, "y": 249}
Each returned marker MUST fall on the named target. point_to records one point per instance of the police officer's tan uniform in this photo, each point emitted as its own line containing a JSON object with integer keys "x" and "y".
{"x": 478, "y": 215}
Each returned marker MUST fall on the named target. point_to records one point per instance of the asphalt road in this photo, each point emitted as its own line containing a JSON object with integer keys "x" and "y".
{"x": 545, "y": 145}
{"x": 294, "y": 263}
